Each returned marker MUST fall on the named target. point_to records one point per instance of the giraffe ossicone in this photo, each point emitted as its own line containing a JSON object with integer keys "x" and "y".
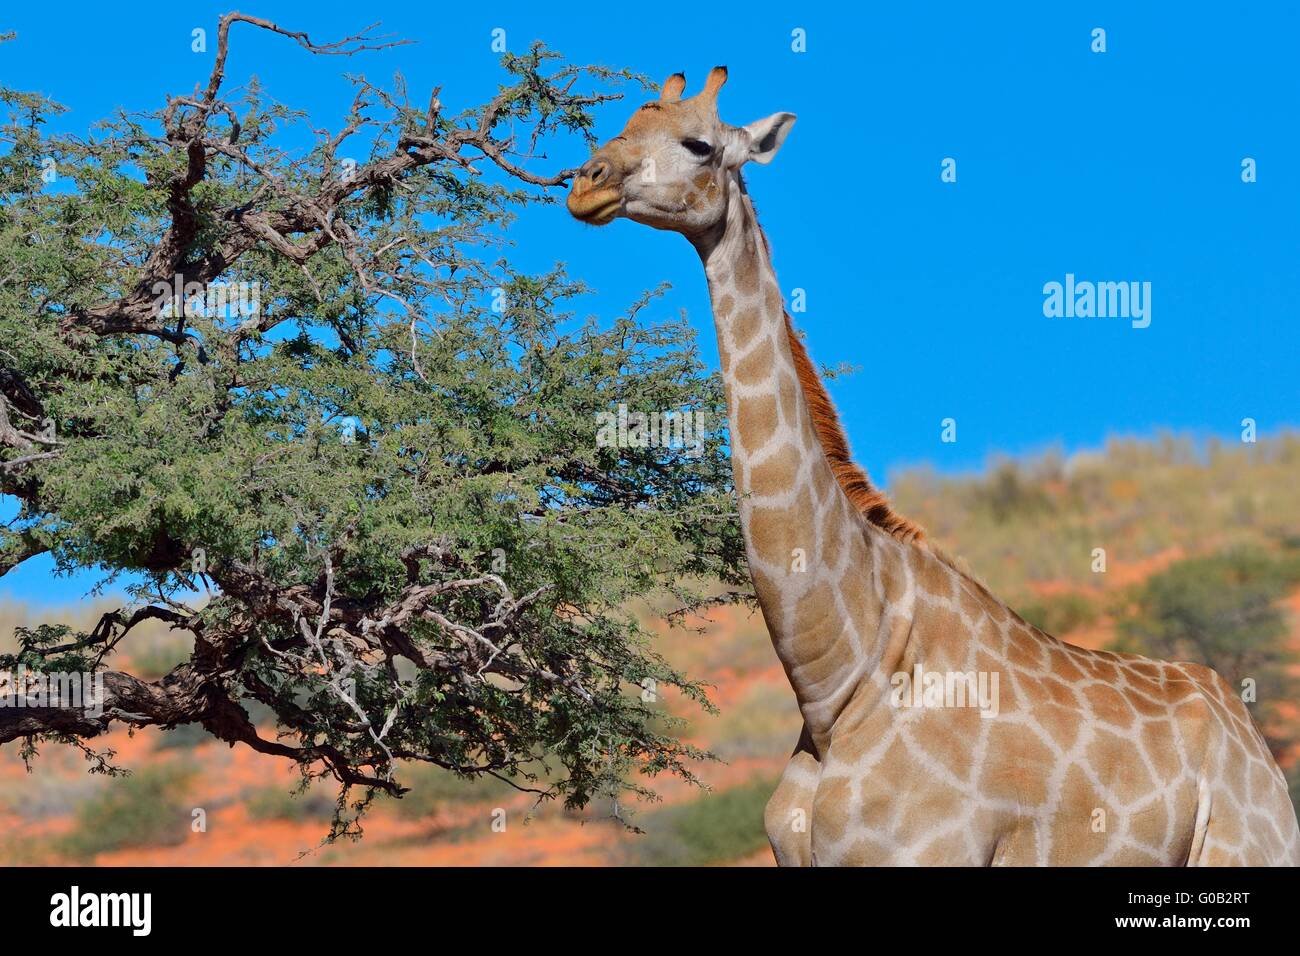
{"x": 1086, "y": 757}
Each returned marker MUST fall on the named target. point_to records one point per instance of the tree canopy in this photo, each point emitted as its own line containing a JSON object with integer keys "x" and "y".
{"x": 303, "y": 408}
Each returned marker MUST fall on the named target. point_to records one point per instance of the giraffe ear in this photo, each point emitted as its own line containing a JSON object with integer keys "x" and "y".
{"x": 767, "y": 135}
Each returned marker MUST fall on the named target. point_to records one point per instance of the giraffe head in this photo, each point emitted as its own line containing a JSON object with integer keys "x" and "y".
{"x": 670, "y": 166}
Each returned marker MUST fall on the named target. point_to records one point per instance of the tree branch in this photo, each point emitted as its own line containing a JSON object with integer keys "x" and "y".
{"x": 17, "y": 547}
{"x": 181, "y": 697}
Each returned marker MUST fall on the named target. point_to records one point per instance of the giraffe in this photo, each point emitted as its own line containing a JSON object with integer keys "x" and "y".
{"x": 939, "y": 727}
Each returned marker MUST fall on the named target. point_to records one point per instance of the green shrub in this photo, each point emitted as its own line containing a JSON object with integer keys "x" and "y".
{"x": 278, "y": 803}
{"x": 146, "y": 808}
{"x": 1219, "y": 610}
{"x": 1060, "y": 614}
{"x": 1010, "y": 492}
{"x": 713, "y": 828}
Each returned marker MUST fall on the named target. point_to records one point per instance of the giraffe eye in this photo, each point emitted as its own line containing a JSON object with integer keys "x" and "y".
{"x": 698, "y": 147}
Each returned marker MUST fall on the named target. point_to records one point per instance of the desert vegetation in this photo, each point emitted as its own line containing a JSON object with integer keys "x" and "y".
{"x": 1233, "y": 602}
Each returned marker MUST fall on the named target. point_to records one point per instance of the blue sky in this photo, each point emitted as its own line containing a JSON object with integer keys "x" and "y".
{"x": 1115, "y": 166}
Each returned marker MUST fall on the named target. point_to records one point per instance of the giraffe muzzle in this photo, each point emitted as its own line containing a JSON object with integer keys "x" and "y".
{"x": 594, "y": 198}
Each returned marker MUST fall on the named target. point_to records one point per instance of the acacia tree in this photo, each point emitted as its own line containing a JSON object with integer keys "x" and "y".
{"x": 380, "y": 468}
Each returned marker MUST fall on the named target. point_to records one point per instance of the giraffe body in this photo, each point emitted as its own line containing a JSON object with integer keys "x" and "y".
{"x": 1093, "y": 758}
{"x": 1027, "y": 751}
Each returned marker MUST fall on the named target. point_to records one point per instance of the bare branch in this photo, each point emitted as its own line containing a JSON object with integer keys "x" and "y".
{"x": 14, "y": 464}
{"x": 348, "y": 46}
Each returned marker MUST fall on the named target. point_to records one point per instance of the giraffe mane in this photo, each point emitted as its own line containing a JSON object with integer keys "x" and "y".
{"x": 870, "y": 501}
{"x": 852, "y": 477}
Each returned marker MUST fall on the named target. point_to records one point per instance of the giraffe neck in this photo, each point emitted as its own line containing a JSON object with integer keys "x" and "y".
{"x": 810, "y": 552}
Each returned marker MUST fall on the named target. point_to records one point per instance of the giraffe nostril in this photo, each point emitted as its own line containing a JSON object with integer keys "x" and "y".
{"x": 596, "y": 171}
